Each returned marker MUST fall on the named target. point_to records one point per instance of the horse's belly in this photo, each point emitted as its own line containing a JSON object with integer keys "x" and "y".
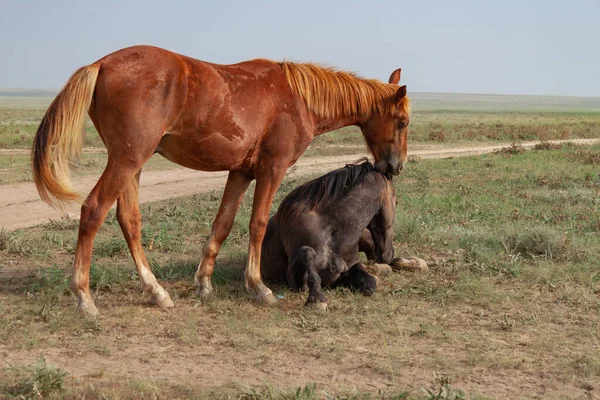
{"x": 209, "y": 152}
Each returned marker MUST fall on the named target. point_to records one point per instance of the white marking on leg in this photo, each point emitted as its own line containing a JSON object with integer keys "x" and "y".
{"x": 150, "y": 284}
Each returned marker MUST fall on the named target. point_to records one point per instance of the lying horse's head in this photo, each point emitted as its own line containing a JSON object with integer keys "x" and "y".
{"x": 386, "y": 132}
{"x": 381, "y": 226}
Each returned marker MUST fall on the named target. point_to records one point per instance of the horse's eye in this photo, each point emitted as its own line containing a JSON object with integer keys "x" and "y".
{"x": 402, "y": 125}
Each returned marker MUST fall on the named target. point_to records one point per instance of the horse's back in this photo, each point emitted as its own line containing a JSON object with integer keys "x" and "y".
{"x": 141, "y": 88}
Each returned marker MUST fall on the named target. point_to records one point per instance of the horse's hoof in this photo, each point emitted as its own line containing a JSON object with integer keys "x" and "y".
{"x": 268, "y": 299}
{"x": 414, "y": 264}
{"x": 318, "y": 306}
{"x": 423, "y": 267}
{"x": 203, "y": 292}
{"x": 376, "y": 279}
{"x": 203, "y": 288}
{"x": 164, "y": 302}
{"x": 89, "y": 308}
{"x": 378, "y": 269}
{"x": 383, "y": 270}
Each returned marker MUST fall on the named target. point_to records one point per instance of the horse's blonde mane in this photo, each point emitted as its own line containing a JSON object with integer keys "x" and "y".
{"x": 329, "y": 93}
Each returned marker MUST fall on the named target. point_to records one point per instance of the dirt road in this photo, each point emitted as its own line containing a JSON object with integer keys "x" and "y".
{"x": 21, "y": 207}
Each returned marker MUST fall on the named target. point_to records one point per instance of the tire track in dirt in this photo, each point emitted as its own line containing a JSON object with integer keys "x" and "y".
{"x": 21, "y": 207}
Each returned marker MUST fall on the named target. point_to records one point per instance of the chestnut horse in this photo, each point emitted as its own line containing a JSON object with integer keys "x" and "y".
{"x": 253, "y": 119}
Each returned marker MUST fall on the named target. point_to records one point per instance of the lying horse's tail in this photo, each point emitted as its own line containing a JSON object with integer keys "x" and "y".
{"x": 59, "y": 137}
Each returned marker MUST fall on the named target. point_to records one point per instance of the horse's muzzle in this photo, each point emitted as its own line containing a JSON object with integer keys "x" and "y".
{"x": 394, "y": 168}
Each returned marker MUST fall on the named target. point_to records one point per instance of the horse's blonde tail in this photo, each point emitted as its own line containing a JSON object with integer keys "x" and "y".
{"x": 59, "y": 137}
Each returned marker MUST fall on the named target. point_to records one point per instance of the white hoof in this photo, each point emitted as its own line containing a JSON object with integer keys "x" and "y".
{"x": 162, "y": 301}
{"x": 88, "y": 308}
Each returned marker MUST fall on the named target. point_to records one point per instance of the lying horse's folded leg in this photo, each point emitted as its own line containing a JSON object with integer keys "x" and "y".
{"x": 357, "y": 278}
{"x": 303, "y": 271}
{"x": 316, "y": 298}
{"x": 367, "y": 245}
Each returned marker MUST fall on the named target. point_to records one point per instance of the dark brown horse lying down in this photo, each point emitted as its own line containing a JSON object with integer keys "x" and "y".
{"x": 313, "y": 240}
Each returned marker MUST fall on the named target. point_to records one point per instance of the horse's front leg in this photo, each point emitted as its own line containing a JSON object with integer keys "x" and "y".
{"x": 236, "y": 186}
{"x": 268, "y": 179}
{"x": 367, "y": 245}
{"x": 357, "y": 278}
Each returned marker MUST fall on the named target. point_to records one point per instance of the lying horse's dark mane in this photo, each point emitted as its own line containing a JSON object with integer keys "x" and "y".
{"x": 324, "y": 190}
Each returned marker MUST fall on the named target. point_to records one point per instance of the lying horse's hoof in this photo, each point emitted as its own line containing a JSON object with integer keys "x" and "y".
{"x": 379, "y": 269}
{"x": 413, "y": 264}
{"x": 318, "y": 306}
{"x": 370, "y": 286}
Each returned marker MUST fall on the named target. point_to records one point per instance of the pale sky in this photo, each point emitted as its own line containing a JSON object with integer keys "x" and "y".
{"x": 542, "y": 47}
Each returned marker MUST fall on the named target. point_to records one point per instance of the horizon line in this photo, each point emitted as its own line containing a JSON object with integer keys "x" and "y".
{"x": 56, "y": 91}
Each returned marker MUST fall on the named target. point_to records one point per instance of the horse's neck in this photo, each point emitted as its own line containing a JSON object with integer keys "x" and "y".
{"x": 364, "y": 205}
{"x": 323, "y": 125}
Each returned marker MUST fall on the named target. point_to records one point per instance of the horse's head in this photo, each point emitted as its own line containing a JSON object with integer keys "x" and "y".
{"x": 386, "y": 132}
{"x": 382, "y": 225}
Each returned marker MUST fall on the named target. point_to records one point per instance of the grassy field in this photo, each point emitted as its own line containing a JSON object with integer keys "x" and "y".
{"x": 509, "y": 309}
{"x": 437, "y": 118}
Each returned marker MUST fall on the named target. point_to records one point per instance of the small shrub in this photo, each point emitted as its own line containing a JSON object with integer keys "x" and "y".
{"x": 588, "y": 364}
{"x": 513, "y": 149}
{"x": 19, "y": 246}
{"x": 51, "y": 280}
{"x": 545, "y": 145}
{"x": 107, "y": 278}
{"x": 111, "y": 247}
{"x": 164, "y": 241}
{"x": 585, "y": 156}
{"x": 4, "y": 239}
{"x": 412, "y": 159}
{"x": 34, "y": 382}
{"x": 437, "y": 135}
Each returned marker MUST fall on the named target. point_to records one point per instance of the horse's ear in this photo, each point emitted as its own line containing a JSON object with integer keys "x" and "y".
{"x": 395, "y": 77}
{"x": 400, "y": 93}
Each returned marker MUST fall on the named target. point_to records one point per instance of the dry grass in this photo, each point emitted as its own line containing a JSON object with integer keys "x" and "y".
{"x": 509, "y": 308}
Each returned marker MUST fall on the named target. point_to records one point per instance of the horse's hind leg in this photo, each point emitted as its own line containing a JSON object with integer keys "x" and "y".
{"x": 304, "y": 265}
{"x": 130, "y": 220}
{"x": 109, "y": 187}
